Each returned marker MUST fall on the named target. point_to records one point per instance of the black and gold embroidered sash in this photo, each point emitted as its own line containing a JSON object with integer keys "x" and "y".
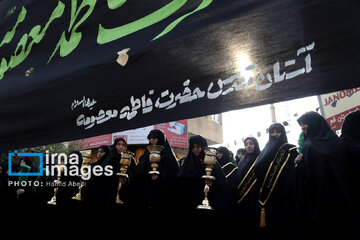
{"x": 247, "y": 182}
{"x": 229, "y": 168}
{"x": 272, "y": 175}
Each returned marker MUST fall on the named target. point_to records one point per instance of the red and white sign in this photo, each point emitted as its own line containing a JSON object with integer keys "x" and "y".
{"x": 176, "y": 133}
{"x": 97, "y": 141}
{"x": 338, "y": 104}
{"x": 135, "y": 136}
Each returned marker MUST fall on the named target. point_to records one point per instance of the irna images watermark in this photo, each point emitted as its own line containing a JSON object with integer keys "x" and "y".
{"x": 56, "y": 164}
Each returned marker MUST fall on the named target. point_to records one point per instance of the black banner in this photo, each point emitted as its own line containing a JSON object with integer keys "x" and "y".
{"x": 76, "y": 69}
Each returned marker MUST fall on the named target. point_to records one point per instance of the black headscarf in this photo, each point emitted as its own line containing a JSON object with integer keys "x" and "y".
{"x": 350, "y": 134}
{"x": 237, "y": 159}
{"x": 268, "y": 153}
{"x": 350, "y": 125}
{"x": 106, "y": 149}
{"x": 323, "y": 193}
{"x": 225, "y": 156}
{"x": 247, "y": 160}
{"x": 160, "y": 135}
{"x": 114, "y": 157}
{"x": 192, "y": 167}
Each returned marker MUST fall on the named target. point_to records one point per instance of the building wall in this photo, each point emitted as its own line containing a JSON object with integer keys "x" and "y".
{"x": 209, "y": 127}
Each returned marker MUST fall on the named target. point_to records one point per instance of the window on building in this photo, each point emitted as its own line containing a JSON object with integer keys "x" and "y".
{"x": 216, "y": 118}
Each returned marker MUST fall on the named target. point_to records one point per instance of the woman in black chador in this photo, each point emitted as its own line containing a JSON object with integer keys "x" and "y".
{"x": 229, "y": 168}
{"x": 68, "y": 189}
{"x": 246, "y": 214}
{"x": 198, "y": 223}
{"x": 350, "y": 134}
{"x": 113, "y": 214}
{"x": 66, "y": 207}
{"x": 239, "y": 155}
{"x": 111, "y": 183}
{"x": 155, "y": 192}
{"x": 323, "y": 196}
{"x": 227, "y": 207}
{"x": 274, "y": 172}
{"x": 93, "y": 191}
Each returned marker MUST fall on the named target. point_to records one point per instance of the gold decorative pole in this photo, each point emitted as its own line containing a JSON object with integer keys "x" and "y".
{"x": 57, "y": 182}
{"x": 209, "y": 162}
{"x": 78, "y": 196}
{"x": 125, "y": 162}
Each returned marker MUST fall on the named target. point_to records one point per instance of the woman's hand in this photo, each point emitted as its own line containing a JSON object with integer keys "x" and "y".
{"x": 154, "y": 177}
{"x": 123, "y": 180}
{"x": 298, "y": 159}
{"x": 209, "y": 182}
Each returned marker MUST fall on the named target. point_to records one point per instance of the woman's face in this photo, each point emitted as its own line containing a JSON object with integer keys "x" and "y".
{"x": 275, "y": 133}
{"x": 22, "y": 161}
{"x": 196, "y": 150}
{"x": 304, "y": 127}
{"x": 153, "y": 140}
{"x": 240, "y": 155}
{"x": 120, "y": 146}
{"x": 249, "y": 146}
{"x": 100, "y": 153}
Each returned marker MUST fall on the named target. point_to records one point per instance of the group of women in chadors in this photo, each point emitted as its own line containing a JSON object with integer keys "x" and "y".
{"x": 282, "y": 191}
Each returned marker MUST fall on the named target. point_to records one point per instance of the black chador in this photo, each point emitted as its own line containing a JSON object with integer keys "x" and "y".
{"x": 199, "y": 224}
{"x": 155, "y": 194}
{"x": 350, "y": 135}
{"x": 274, "y": 171}
{"x": 228, "y": 205}
{"x": 111, "y": 183}
{"x": 68, "y": 190}
{"x": 246, "y": 214}
{"x": 227, "y": 165}
{"x": 323, "y": 196}
{"x": 93, "y": 192}
{"x": 66, "y": 207}
{"x": 108, "y": 221}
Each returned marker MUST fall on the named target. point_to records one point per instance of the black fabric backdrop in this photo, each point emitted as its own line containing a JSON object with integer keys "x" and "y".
{"x": 200, "y": 54}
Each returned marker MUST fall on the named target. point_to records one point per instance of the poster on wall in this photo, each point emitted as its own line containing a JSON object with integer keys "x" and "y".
{"x": 176, "y": 133}
{"x": 338, "y": 104}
